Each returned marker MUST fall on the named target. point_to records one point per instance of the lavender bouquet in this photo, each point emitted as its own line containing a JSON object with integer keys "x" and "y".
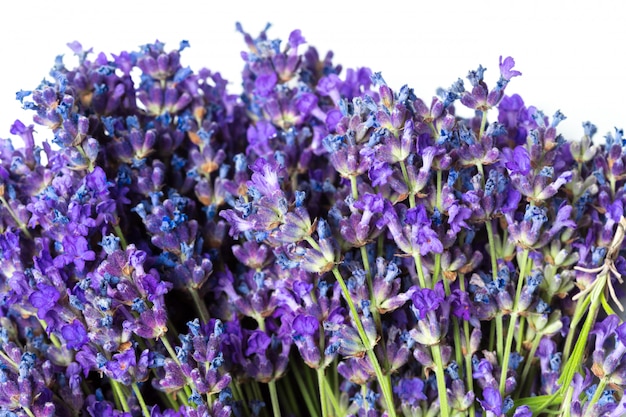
{"x": 319, "y": 245}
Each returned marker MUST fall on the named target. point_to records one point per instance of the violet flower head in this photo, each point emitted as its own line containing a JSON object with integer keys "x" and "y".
{"x": 506, "y": 68}
{"x": 410, "y": 391}
{"x": 75, "y": 335}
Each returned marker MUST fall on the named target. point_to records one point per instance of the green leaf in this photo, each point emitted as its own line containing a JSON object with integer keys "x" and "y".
{"x": 539, "y": 403}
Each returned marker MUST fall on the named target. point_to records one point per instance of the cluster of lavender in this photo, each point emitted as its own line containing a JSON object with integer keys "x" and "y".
{"x": 320, "y": 245}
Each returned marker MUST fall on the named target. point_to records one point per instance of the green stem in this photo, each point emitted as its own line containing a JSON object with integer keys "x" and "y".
{"x": 182, "y": 398}
{"x": 468, "y": 353}
{"x": 120, "y": 235}
{"x": 499, "y": 335}
{"x": 483, "y": 123}
{"x": 384, "y": 382}
{"x": 170, "y": 349}
{"x": 354, "y": 187}
{"x": 274, "y": 398}
{"x": 271, "y": 384}
{"x": 441, "y": 381}
{"x": 90, "y": 166}
{"x": 455, "y": 323}
{"x": 334, "y": 402}
{"x": 492, "y": 250}
{"x": 579, "y": 311}
{"x": 437, "y": 270}
{"x": 512, "y": 321}
{"x": 405, "y": 175}
{"x": 596, "y": 396}
{"x": 27, "y": 411}
{"x": 606, "y": 306}
{"x": 322, "y": 390}
{"x": 520, "y": 334}
{"x": 420, "y": 271}
{"x": 239, "y": 395}
{"x": 306, "y": 395}
{"x": 53, "y": 338}
{"x": 291, "y": 397}
{"x": 370, "y": 286}
{"x": 256, "y": 389}
{"x": 200, "y": 305}
{"x": 492, "y": 336}
{"x": 142, "y": 402}
{"x": 494, "y": 275}
{"x": 575, "y": 360}
{"x": 566, "y": 410}
{"x": 529, "y": 361}
{"x": 172, "y": 354}
{"x": 119, "y": 394}
{"x": 16, "y": 219}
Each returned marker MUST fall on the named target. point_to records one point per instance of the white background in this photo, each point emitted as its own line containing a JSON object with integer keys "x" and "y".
{"x": 571, "y": 54}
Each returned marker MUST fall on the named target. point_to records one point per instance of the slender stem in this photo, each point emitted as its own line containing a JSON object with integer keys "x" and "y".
{"x": 170, "y": 349}
{"x": 90, "y": 166}
{"x": 355, "y": 189}
{"x": 182, "y": 398}
{"x": 575, "y": 360}
{"x": 200, "y": 305}
{"x": 291, "y": 397}
{"x": 492, "y": 250}
{"x": 499, "y": 335}
{"x": 405, "y": 175}
{"x": 274, "y": 398}
{"x": 520, "y": 334}
{"x": 142, "y": 402}
{"x": 512, "y": 322}
{"x": 172, "y": 354}
{"x": 606, "y": 306}
{"x": 53, "y": 338}
{"x": 27, "y": 411}
{"x": 256, "y": 389}
{"x": 579, "y": 311}
{"x": 333, "y": 401}
{"x": 271, "y": 384}
{"x": 458, "y": 354}
{"x": 596, "y": 397}
{"x": 420, "y": 271}
{"x": 370, "y": 286}
{"x": 239, "y": 395}
{"x": 306, "y": 395}
{"x": 322, "y": 390}
{"x": 441, "y": 381}
{"x": 468, "y": 354}
{"x": 494, "y": 275}
{"x": 19, "y": 223}
{"x": 529, "y": 361}
{"x": 566, "y": 409}
{"x": 483, "y": 123}
{"x": 119, "y": 394}
{"x": 120, "y": 235}
{"x": 437, "y": 270}
{"x": 384, "y": 382}
{"x": 380, "y": 245}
